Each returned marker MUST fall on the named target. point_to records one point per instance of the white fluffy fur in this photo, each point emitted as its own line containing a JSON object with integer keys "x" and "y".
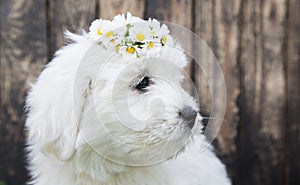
{"x": 76, "y": 139}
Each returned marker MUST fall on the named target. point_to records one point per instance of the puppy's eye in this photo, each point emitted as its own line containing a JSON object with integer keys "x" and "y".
{"x": 143, "y": 84}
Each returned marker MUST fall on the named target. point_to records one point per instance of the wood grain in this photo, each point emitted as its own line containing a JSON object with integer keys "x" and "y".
{"x": 108, "y": 9}
{"x": 177, "y": 12}
{"x": 262, "y": 92}
{"x": 216, "y": 22}
{"x": 293, "y": 92}
{"x": 23, "y": 53}
{"x": 72, "y": 15}
{"x": 204, "y": 28}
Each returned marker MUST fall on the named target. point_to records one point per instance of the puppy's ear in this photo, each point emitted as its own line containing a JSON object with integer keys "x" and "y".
{"x": 61, "y": 147}
{"x": 54, "y": 117}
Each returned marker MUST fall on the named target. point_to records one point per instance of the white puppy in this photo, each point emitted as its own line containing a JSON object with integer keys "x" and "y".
{"x": 109, "y": 109}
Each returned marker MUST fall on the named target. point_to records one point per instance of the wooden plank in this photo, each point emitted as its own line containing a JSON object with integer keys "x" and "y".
{"x": 23, "y": 52}
{"x": 177, "y": 12}
{"x": 203, "y": 28}
{"x": 68, "y": 15}
{"x": 262, "y": 92}
{"x": 217, "y": 24}
{"x": 293, "y": 92}
{"x": 108, "y": 9}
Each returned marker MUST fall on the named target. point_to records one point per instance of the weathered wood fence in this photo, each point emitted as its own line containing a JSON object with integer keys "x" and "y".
{"x": 257, "y": 43}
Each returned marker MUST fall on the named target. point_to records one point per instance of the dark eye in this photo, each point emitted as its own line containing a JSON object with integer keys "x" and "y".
{"x": 143, "y": 84}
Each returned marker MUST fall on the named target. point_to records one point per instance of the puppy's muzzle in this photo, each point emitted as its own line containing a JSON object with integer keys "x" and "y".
{"x": 189, "y": 115}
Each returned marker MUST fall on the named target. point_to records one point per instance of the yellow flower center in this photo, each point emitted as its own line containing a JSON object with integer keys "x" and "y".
{"x": 150, "y": 45}
{"x": 99, "y": 31}
{"x": 130, "y": 49}
{"x": 112, "y": 41}
{"x": 118, "y": 47}
{"x": 153, "y": 32}
{"x": 164, "y": 39}
{"x": 140, "y": 37}
{"x": 109, "y": 34}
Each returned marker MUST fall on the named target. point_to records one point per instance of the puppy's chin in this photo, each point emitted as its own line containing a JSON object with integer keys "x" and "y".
{"x": 150, "y": 146}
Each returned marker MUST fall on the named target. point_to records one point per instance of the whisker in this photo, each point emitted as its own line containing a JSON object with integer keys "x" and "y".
{"x": 215, "y": 118}
{"x": 205, "y": 122}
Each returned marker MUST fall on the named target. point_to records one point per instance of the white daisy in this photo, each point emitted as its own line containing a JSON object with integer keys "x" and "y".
{"x": 97, "y": 28}
{"x": 132, "y": 19}
{"x": 154, "y": 26}
{"x": 159, "y": 34}
{"x": 163, "y": 30}
{"x": 164, "y": 34}
{"x": 102, "y": 31}
{"x": 127, "y": 52}
{"x": 139, "y": 32}
{"x": 122, "y": 20}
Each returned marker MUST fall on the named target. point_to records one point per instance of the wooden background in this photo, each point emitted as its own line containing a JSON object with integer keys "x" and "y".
{"x": 256, "y": 42}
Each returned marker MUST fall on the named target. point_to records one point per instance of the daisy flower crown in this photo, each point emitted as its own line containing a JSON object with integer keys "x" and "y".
{"x": 130, "y": 36}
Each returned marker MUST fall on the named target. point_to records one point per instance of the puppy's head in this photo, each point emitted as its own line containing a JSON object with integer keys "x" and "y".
{"x": 137, "y": 112}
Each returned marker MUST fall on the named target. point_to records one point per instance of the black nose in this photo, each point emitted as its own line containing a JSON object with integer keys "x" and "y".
{"x": 189, "y": 114}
